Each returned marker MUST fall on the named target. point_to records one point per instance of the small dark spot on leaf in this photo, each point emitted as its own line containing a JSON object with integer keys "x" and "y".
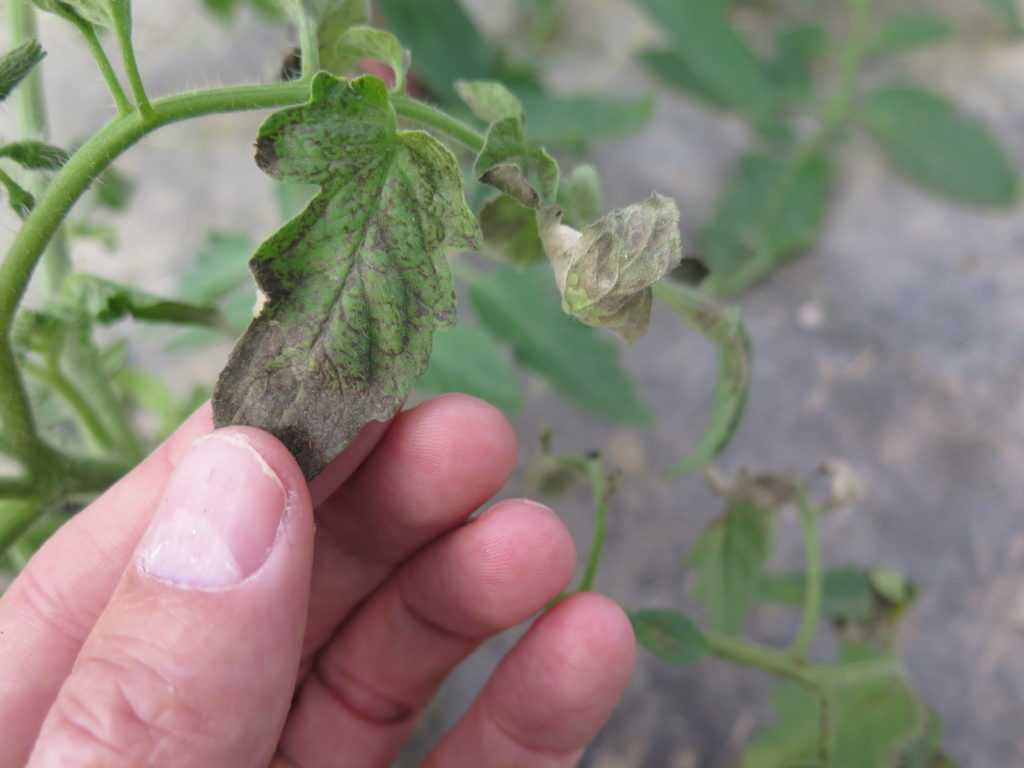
{"x": 266, "y": 155}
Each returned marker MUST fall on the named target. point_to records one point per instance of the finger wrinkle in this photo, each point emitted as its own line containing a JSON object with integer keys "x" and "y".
{"x": 361, "y": 700}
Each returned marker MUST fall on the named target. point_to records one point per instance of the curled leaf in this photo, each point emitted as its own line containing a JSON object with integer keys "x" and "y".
{"x": 357, "y": 282}
{"x": 507, "y": 163}
{"x": 606, "y": 270}
{"x": 35, "y": 155}
{"x": 377, "y": 44}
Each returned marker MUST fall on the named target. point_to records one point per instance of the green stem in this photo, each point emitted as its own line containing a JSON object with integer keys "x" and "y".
{"x": 837, "y": 108}
{"x": 816, "y": 676}
{"x": 426, "y": 115}
{"x": 309, "y": 45}
{"x": 30, "y": 107}
{"x": 813, "y": 578}
{"x": 826, "y": 727}
{"x": 131, "y": 67}
{"x": 16, "y": 517}
{"x": 595, "y": 473}
{"x": 106, "y": 69}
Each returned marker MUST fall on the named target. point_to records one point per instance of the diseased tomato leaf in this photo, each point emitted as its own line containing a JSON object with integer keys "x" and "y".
{"x": 357, "y": 282}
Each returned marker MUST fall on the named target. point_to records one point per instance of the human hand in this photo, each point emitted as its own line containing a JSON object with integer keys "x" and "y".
{"x": 200, "y": 613}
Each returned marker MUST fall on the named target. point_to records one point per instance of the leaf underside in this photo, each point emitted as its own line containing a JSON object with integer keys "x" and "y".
{"x": 356, "y": 284}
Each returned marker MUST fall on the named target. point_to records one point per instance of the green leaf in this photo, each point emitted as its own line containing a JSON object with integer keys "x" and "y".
{"x": 871, "y": 724}
{"x": 356, "y": 283}
{"x": 376, "y": 44}
{"x": 152, "y": 394}
{"x": 715, "y": 56}
{"x": 225, "y": 10}
{"x": 489, "y": 100}
{"x": 606, "y": 270}
{"x": 469, "y": 360}
{"x": 677, "y": 71}
{"x": 846, "y": 592}
{"x": 926, "y": 138}
{"x": 220, "y": 267}
{"x": 729, "y": 556}
{"x": 35, "y": 155}
{"x": 446, "y": 45}
{"x": 911, "y": 30}
{"x": 669, "y": 635}
{"x": 1009, "y": 12}
{"x": 575, "y": 121}
{"x": 771, "y": 210}
{"x": 20, "y": 199}
{"x": 110, "y": 14}
{"x": 724, "y": 328}
{"x": 797, "y": 47}
{"x": 16, "y": 64}
{"x": 510, "y": 232}
{"x": 107, "y": 302}
{"x": 508, "y": 164}
{"x": 523, "y": 308}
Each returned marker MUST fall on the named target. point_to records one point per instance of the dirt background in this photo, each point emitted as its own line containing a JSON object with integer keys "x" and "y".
{"x": 896, "y": 345}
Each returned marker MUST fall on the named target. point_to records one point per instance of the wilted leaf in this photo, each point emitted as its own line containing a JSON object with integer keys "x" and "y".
{"x": 670, "y": 635}
{"x": 771, "y": 209}
{"x": 107, "y": 302}
{"x": 527, "y": 174}
{"x": 469, "y": 360}
{"x": 16, "y": 64}
{"x": 356, "y": 283}
{"x": 35, "y": 155}
{"x": 523, "y": 309}
{"x": 926, "y": 138}
{"x": 729, "y": 556}
{"x": 713, "y": 56}
{"x": 489, "y": 100}
{"x": 911, "y": 30}
{"x": 724, "y": 328}
{"x": 510, "y": 231}
{"x": 606, "y": 270}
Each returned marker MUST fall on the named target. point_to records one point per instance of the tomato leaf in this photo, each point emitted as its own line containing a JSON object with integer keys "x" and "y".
{"x": 927, "y": 139}
{"x": 357, "y": 282}
{"x": 669, "y": 635}
{"x": 35, "y": 155}
{"x": 16, "y": 64}
{"x": 470, "y": 360}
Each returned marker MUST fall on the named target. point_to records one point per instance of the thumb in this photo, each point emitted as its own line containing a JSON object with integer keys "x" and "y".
{"x": 193, "y": 661}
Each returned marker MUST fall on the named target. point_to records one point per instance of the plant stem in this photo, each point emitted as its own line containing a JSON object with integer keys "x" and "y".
{"x": 90, "y": 421}
{"x": 16, "y": 517}
{"x": 826, "y": 727}
{"x": 106, "y": 69}
{"x": 131, "y": 68}
{"x": 595, "y": 473}
{"x": 813, "y": 579}
{"x": 426, "y": 115}
{"x": 309, "y": 45}
{"x": 30, "y": 107}
{"x": 816, "y": 676}
{"x": 837, "y": 108}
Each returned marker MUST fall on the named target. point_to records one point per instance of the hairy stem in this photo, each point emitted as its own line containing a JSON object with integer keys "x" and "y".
{"x": 131, "y": 68}
{"x": 813, "y": 586}
{"x": 106, "y": 69}
{"x": 595, "y": 473}
{"x": 309, "y": 45}
{"x": 30, "y": 107}
{"x": 428, "y": 116}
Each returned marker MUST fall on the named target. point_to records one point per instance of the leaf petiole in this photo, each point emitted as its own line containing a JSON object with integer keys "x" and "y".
{"x": 813, "y": 586}
{"x": 92, "y": 40}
